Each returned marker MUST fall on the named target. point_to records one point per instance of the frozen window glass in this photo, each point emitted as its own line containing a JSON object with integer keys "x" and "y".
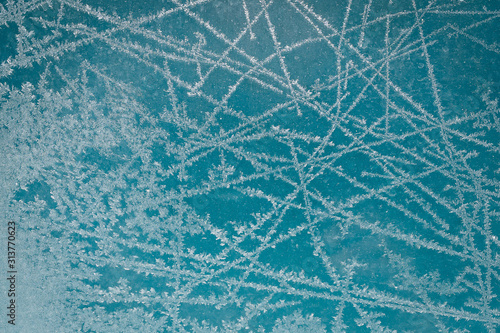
{"x": 305, "y": 166}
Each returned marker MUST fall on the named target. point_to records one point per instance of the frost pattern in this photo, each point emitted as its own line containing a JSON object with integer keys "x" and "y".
{"x": 253, "y": 166}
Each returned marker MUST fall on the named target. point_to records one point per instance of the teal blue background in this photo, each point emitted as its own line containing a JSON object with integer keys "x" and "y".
{"x": 247, "y": 166}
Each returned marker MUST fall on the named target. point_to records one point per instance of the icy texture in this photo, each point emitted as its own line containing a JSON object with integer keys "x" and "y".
{"x": 252, "y": 166}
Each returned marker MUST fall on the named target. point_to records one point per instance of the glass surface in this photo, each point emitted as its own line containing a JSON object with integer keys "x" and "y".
{"x": 250, "y": 166}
